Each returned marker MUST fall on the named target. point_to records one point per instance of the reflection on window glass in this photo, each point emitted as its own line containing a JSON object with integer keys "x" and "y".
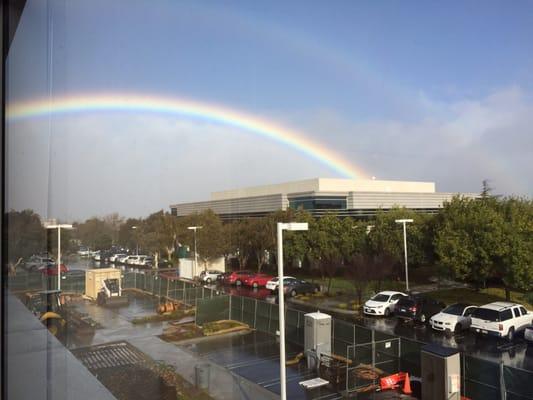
{"x": 167, "y": 162}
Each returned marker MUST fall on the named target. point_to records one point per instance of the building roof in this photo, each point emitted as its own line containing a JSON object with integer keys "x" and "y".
{"x": 327, "y": 185}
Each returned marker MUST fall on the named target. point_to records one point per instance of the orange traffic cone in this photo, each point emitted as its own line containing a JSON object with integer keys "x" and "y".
{"x": 407, "y": 384}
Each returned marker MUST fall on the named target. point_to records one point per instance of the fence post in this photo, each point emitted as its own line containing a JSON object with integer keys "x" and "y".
{"x": 503, "y": 394}
{"x": 373, "y": 333}
{"x": 463, "y": 372}
{"x": 230, "y": 296}
{"x": 255, "y": 314}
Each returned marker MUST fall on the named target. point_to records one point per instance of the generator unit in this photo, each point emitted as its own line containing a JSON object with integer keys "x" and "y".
{"x": 317, "y": 333}
{"x": 441, "y": 373}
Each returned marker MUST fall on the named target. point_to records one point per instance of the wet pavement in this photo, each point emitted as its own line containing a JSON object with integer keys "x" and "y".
{"x": 517, "y": 354}
{"x": 255, "y": 357}
{"x": 116, "y": 321}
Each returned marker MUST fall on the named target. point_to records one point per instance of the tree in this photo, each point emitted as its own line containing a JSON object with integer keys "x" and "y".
{"x": 210, "y": 240}
{"x": 469, "y": 238}
{"x": 95, "y": 233}
{"x": 517, "y": 249}
{"x": 239, "y": 235}
{"x": 127, "y": 235}
{"x": 158, "y": 233}
{"x": 365, "y": 269}
{"x": 386, "y": 237}
{"x": 25, "y": 234}
{"x": 324, "y": 235}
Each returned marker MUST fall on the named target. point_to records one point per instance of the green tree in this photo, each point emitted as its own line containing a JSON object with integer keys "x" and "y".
{"x": 517, "y": 250}
{"x": 128, "y": 236}
{"x": 325, "y": 237}
{"x": 469, "y": 239}
{"x": 25, "y": 234}
{"x": 158, "y": 233}
{"x": 210, "y": 239}
{"x": 386, "y": 236}
{"x": 239, "y": 236}
{"x": 95, "y": 233}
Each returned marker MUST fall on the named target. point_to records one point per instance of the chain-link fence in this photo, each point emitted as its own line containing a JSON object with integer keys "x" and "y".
{"x": 147, "y": 281}
{"x": 31, "y": 281}
{"x": 171, "y": 288}
{"x": 481, "y": 379}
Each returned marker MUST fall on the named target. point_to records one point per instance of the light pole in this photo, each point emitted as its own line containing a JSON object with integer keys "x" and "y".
{"x": 195, "y": 228}
{"x": 58, "y": 227}
{"x": 404, "y": 222}
{"x": 136, "y": 240}
{"x": 291, "y": 226}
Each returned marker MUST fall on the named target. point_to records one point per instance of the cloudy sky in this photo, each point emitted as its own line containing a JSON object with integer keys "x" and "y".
{"x": 433, "y": 91}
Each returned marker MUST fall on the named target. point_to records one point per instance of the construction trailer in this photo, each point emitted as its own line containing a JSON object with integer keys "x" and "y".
{"x": 104, "y": 285}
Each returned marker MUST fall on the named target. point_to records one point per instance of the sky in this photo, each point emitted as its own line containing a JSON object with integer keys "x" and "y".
{"x": 430, "y": 91}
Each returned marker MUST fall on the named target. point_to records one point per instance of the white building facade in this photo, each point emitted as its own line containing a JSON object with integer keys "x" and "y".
{"x": 345, "y": 197}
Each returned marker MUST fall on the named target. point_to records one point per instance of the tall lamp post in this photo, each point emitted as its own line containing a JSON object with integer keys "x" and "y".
{"x": 195, "y": 228}
{"x": 292, "y": 226}
{"x": 404, "y": 222}
{"x": 59, "y": 227}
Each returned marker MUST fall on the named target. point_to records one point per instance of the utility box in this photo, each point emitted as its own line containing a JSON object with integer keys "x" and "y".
{"x": 94, "y": 280}
{"x": 317, "y": 333}
{"x": 441, "y": 373}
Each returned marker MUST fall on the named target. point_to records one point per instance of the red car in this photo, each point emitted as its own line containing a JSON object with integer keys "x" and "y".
{"x": 237, "y": 277}
{"x": 256, "y": 280}
{"x": 51, "y": 269}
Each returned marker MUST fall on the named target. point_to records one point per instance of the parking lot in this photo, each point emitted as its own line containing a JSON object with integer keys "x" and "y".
{"x": 516, "y": 354}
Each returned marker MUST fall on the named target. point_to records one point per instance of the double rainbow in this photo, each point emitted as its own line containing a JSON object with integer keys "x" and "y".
{"x": 186, "y": 108}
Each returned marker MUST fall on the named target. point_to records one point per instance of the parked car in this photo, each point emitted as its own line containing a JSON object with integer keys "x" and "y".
{"x": 35, "y": 262}
{"x": 116, "y": 257}
{"x": 454, "y": 318}
{"x": 500, "y": 319}
{"x": 51, "y": 269}
{"x": 123, "y": 259}
{"x": 148, "y": 261}
{"x": 292, "y": 287}
{"x": 237, "y": 277}
{"x": 221, "y": 278}
{"x": 528, "y": 334}
{"x": 418, "y": 308}
{"x": 257, "y": 280}
{"x": 209, "y": 276}
{"x": 383, "y": 303}
{"x": 273, "y": 284}
{"x": 84, "y": 251}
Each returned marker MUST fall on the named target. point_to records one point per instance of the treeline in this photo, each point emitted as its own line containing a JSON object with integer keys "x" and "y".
{"x": 473, "y": 240}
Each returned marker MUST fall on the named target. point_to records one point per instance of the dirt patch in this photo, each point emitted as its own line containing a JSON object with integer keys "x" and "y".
{"x": 176, "y": 332}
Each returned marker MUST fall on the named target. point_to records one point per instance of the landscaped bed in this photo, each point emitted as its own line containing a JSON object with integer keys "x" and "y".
{"x": 176, "y": 332}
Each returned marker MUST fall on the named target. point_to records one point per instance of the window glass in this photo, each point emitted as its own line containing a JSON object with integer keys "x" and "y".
{"x": 523, "y": 310}
{"x": 516, "y": 312}
{"x": 506, "y": 315}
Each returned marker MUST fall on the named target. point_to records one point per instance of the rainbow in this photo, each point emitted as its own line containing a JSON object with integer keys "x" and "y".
{"x": 201, "y": 111}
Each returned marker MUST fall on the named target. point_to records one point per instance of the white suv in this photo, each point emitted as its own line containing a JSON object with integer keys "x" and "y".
{"x": 500, "y": 319}
{"x": 209, "y": 276}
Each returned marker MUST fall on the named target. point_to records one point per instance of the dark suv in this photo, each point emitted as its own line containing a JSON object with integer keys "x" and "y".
{"x": 418, "y": 308}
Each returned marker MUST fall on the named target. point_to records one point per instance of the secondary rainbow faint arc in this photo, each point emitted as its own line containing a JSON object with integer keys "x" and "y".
{"x": 203, "y": 111}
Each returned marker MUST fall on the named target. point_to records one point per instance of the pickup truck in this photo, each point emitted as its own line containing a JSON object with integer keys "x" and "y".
{"x": 500, "y": 319}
